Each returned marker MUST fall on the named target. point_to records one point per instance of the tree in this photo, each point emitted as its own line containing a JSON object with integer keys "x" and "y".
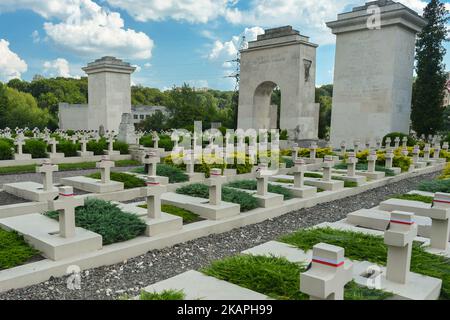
{"x": 428, "y": 90}
{"x": 156, "y": 122}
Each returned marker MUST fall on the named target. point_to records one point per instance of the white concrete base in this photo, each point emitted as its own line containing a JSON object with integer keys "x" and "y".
{"x": 30, "y": 191}
{"x": 377, "y": 175}
{"x": 196, "y": 177}
{"x": 358, "y": 179}
{"x": 417, "y": 207}
{"x": 420, "y": 165}
{"x": 23, "y": 156}
{"x": 333, "y": 185}
{"x": 167, "y": 223}
{"x": 418, "y": 287}
{"x": 53, "y": 156}
{"x": 111, "y": 153}
{"x": 313, "y": 161}
{"x": 304, "y": 192}
{"x": 396, "y": 170}
{"x": 92, "y": 185}
{"x": 201, "y": 206}
{"x": 197, "y": 286}
{"x": 269, "y": 200}
{"x": 230, "y": 172}
{"x": 85, "y": 154}
{"x": 42, "y": 233}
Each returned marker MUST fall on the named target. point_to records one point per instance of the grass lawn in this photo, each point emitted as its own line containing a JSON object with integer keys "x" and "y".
{"x": 188, "y": 216}
{"x": 275, "y": 277}
{"x": 362, "y": 247}
{"x": 64, "y": 167}
{"x": 128, "y": 180}
{"x": 252, "y": 185}
{"x": 106, "y": 219}
{"x": 164, "y": 295}
{"x": 14, "y": 251}
{"x": 413, "y": 197}
{"x": 245, "y": 200}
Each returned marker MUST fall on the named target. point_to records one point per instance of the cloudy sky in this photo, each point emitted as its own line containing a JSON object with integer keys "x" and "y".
{"x": 170, "y": 41}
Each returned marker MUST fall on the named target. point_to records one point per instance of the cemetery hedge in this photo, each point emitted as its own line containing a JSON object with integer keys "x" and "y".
{"x": 6, "y": 149}
{"x": 320, "y": 152}
{"x": 37, "y": 148}
{"x": 245, "y": 200}
{"x": 68, "y": 148}
{"x": 14, "y": 251}
{"x": 106, "y": 219}
{"x": 252, "y": 185}
{"x": 435, "y": 186}
{"x": 97, "y": 147}
{"x": 363, "y": 247}
{"x": 276, "y": 277}
{"x": 175, "y": 174}
{"x": 121, "y": 146}
{"x": 164, "y": 295}
{"x": 128, "y": 180}
{"x": 165, "y": 142}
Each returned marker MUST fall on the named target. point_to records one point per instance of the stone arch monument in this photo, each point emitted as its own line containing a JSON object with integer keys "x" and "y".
{"x": 282, "y": 58}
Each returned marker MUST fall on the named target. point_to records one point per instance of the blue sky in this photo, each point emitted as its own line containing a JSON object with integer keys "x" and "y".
{"x": 171, "y": 41}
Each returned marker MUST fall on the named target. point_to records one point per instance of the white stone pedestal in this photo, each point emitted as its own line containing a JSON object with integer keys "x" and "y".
{"x": 30, "y": 191}
{"x": 92, "y": 185}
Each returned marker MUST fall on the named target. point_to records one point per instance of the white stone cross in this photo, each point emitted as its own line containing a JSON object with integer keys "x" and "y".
{"x": 215, "y": 186}
{"x": 379, "y": 142}
{"x": 343, "y": 148}
{"x": 151, "y": 159}
{"x": 299, "y": 173}
{"x": 19, "y": 142}
{"x": 440, "y": 226}
{"x": 389, "y": 158}
{"x": 328, "y": 275}
{"x": 155, "y": 139}
{"x": 312, "y": 151}
{"x": 53, "y": 142}
{"x": 426, "y": 152}
{"x": 368, "y": 144}
{"x": 437, "y": 151}
{"x": 405, "y": 142}
{"x": 327, "y": 168}
{"x": 74, "y": 139}
{"x": 262, "y": 179}
{"x": 47, "y": 170}
{"x": 111, "y": 142}
{"x": 189, "y": 162}
{"x": 399, "y": 239}
{"x": 356, "y": 144}
{"x": 84, "y": 140}
{"x": 416, "y": 154}
{"x": 388, "y": 142}
{"x": 372, "y": 161}
{"x": 396, "y": 142}
{"x": 66, "y": 205}
{"x": 153, "y": 193}
{"x": 351, "y": 161}
{"x": 294, "y": 151}
{"x": 105, "y": 166}
{"x": 445, "y": 146}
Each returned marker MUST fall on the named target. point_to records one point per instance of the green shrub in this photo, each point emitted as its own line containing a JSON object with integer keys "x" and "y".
{"x": 284, "y": 135}
{"x": 164, "y": 142}
{"x": 121, "y": 146}
{"x": 435, "y": 186}
{"x": 97, "y": 147}
{"x": 252, "y": 185}
{"x": 128, "y": 180}
{"x": 288, "y": 161}
{"x": 245, "y": 200}
{"x": 188, "y": 216}
{"x": 37, "y": 148}
{"x": 276, "y": 277}
{"x": 364, "y": 167}
{"x": 164, "y": 295}
{"x": 68, "y": 148}
{"x": 6, "y": 149}
{"x": 411, "y": 141}
{"x": 175, "y": 174}
{"x": 14, "y": 251}
{"x": 414, "y": 197}
{"x": 106, "y": 219}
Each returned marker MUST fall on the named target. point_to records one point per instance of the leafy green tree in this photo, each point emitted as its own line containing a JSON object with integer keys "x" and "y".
{"x": 156, "y": 122}
{"x": 429, "y": 86}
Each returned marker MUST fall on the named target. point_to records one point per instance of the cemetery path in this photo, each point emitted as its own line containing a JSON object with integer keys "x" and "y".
{"x": 131, "y": 276}
{"x": 57, "y": 176}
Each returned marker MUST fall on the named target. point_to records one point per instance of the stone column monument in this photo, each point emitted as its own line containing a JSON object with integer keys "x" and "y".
{"x": 373, "y": 72}
{"x": 109, "y": 82}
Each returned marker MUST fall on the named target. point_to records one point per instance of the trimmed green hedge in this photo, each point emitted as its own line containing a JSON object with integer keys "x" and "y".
{"x": 175, "y": 174}
{"x": 106, "y": 219}
{"x": 414, "y": 197}
{"x": 68, "y": 148}
{"x": 37, "y": 148}
{"x": 128, "y": 180}
{"x": 14, "y": 251}
{"x": 164, "y": 142}
{"x": 435, "y": 186}
{"x": 6, "y": 149}
{"x": 245, "y": 200}
{"x": 411, "y": 141}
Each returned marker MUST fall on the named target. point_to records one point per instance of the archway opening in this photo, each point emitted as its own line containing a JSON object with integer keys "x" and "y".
{"x": 267, "y": 106}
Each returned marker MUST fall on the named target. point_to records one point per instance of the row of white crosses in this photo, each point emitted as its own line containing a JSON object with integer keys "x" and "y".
{"x": 330, "y": 271}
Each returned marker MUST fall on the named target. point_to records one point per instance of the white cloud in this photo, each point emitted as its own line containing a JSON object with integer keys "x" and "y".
{"x": 36, "y": 37}
{"x": 85, "y": 28}
{"x": 227, "y": 50}
{"x": 193, "y": 11}
{"x": 11, "y": 65}
{"x": 58, "y": 68}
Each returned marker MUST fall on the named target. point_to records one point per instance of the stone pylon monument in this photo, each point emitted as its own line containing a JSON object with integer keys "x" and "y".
{"x": 373, "y": 74}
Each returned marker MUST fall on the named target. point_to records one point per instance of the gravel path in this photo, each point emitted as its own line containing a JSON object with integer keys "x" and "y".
{"x": 57, "y": 176}
{"x": 132, "y": 275}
